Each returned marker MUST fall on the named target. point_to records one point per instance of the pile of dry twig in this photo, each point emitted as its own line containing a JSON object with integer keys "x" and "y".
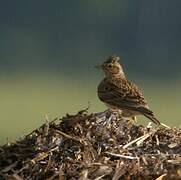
{"x": 87, "y": 146}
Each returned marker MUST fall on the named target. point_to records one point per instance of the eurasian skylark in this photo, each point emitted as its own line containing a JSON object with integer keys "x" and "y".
{"x": 120, "y": 94}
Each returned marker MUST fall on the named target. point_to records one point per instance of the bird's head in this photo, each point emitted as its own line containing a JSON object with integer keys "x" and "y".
{"x": 112, "y": 67}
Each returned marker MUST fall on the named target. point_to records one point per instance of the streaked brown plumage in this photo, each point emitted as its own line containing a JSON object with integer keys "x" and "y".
{"x": 120, "y": 94}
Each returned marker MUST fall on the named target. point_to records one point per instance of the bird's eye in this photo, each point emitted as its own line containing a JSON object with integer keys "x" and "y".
{"x": 110, "y": 65}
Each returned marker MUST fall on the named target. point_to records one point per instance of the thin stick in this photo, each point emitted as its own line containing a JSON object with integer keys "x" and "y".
{"x": 164, "y": 125}
{"x": 46, "y": 126}
{"x": 143, "y": 139}
{"x": 43, "y": 155}
{"x": 161, "y": 177}
{"x": 122, "y": 156}
{"x": 67, "y": 136}
{"x": 136, "y": 140}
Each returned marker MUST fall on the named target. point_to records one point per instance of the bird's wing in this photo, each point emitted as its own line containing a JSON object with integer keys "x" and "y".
{"x": 122, "y": 94}
{"x": 125, "y": 95}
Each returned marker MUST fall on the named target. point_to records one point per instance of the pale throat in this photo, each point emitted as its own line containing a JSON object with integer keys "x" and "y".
{"x": 121, "y": 72}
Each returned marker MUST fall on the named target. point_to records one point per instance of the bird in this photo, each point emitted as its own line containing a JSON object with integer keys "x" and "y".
{"x": 120, "y": 94}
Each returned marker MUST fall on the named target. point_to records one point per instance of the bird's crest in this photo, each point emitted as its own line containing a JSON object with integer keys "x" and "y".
{"x": 112, "y": 59}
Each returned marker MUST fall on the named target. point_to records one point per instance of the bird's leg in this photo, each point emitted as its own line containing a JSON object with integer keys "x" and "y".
{"x": 131, "y": 120}
{"x": 134, "y": 119}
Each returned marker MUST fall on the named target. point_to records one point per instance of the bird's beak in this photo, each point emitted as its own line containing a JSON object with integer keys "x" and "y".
{"x": 99, "y": 66}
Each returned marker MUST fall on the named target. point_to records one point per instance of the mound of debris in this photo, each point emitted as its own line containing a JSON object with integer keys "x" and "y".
{"x": 91, "y": 146}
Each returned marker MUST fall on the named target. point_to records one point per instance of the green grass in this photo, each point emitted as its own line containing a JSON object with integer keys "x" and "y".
{"x": 25, "y": 101}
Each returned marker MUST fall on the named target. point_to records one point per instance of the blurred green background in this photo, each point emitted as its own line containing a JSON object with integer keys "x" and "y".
{"x": 48, "y": 50}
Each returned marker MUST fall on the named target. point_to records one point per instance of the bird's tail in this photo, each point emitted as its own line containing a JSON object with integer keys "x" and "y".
{"x": 149, "y": 114}
{"x": 153, "y": 118}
